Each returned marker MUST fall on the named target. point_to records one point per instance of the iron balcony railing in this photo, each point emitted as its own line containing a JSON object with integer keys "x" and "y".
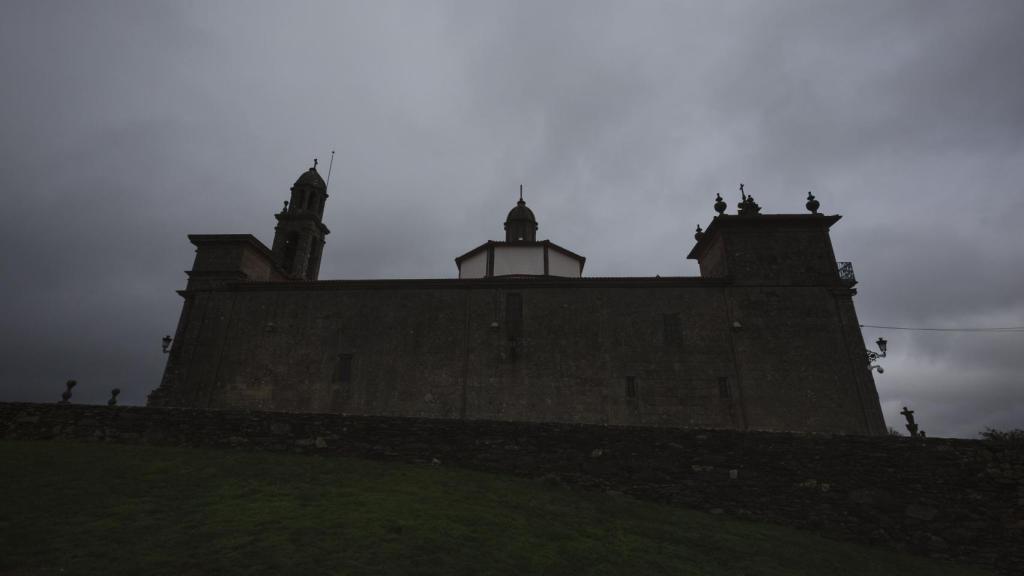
{"x": 846, "y": 275}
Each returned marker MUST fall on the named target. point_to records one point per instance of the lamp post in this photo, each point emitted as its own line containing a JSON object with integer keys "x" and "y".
{"x": 874, "y": 356}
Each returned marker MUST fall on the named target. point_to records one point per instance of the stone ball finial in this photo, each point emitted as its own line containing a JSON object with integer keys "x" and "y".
{"x": 698, "y": 234}
{"x": 113, "y": 397}
{"x": 812, "y": 203}
{"x": 66, "y": 396}
{"x": 720, "y": 204}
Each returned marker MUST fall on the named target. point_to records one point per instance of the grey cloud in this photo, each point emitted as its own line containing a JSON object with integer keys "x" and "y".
{"x": 127, "y": 125}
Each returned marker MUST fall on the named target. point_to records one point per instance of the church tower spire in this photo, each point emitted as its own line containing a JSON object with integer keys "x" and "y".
{"x": 300, "y": 231}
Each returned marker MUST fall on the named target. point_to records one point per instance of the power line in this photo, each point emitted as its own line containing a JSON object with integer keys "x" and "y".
{"x": 1015, "y": 329}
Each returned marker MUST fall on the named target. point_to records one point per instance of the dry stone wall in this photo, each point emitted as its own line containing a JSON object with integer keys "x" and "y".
{"x": 948, "y": 498}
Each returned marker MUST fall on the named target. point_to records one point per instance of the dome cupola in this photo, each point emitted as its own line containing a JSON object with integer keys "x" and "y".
{"x": 521, "y": 225}
{"x": 520, "y": 255}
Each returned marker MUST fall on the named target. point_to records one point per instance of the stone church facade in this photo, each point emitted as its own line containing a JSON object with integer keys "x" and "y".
{"x": 765, "y": 338}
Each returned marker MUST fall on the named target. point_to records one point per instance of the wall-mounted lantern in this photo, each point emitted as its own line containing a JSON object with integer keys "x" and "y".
{"x": 874, "y": 356}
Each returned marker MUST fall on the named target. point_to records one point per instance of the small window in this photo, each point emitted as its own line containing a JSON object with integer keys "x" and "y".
{"x": 290, "y": 244}
{"x": 514, "y": 315}
{"x": 630, "y": 387}
{"x": 343, "y": 369}
{"x": 672, "y": 328}
{"x": 313, "y": 259}
{"x": 723, "y": 388}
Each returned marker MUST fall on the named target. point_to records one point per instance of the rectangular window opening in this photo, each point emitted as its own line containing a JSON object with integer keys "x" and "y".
{"x": 723, "y": 388}
{"x": 514, "y": 315}
{"x": 343, "y": 369}
{"x": 672, "y": 328}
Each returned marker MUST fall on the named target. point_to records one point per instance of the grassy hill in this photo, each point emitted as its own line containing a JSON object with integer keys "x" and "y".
{"x": 74, "y": 508}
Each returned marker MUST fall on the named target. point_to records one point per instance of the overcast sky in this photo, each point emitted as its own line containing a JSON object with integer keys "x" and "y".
{"x": 125, "y": 126}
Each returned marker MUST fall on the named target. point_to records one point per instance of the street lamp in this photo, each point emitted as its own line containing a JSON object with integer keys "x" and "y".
{"x": 874, "y": 356}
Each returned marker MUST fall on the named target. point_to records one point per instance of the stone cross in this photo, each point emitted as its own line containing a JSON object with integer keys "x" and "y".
{"x": 748, "y": 207}
{"x": 911, "y": 425}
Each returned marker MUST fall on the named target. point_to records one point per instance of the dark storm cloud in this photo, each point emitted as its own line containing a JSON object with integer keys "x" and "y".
{"x": 127, "y": 125}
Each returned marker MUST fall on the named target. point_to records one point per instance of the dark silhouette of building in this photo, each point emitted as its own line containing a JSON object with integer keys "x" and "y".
{"x": 299, "y": 235}
{"x": 765, "y": 338}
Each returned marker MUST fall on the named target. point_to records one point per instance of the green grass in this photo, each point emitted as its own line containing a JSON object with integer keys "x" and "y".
{"x": 78, "y": 508}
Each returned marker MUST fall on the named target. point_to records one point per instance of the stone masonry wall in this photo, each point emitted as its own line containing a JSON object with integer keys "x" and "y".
{"x": 959, "y": 499}
{"x": 679, "y": 352}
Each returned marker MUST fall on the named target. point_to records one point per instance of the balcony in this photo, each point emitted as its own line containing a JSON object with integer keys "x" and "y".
{"x": 846, "y": 276}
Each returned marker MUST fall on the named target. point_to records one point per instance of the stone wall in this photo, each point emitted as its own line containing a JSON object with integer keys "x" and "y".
{"x": 959, "y": 499}
{"x": 682, "y": 352}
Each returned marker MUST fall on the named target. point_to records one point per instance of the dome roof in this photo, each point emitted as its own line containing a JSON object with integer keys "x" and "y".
{"x": 521, "y": 225}
{"x": 521, "y": 213}
{"x": 311, "y": 178}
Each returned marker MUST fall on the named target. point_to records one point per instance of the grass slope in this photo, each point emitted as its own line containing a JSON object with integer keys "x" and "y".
{"x": 75, "y": 508}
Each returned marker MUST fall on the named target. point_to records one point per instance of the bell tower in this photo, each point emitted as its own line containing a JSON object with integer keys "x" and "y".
{"x": 299, "y": 234}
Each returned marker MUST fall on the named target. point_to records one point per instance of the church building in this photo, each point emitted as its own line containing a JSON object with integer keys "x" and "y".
{"x": 766, "y": 338}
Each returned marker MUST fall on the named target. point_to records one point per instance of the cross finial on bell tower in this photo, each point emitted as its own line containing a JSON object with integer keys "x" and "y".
{"x": 315, "y": 161}
{"x": 520, "y": 192}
